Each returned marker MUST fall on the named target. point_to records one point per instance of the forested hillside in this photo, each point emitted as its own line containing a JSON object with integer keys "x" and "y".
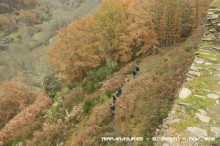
{"x": 121, "y": 31}
{"x": 65, "y": 101}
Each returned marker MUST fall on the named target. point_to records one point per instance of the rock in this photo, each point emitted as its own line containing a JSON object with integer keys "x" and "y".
{"x": 209, "y": 37}
{"x": 212, "y": 16}
{"x": 207, "y": 90}
{"x": 197, "y": 132}
{"x": 199, "y": 61}
{"x": 212, "y": 30}
{"x": 216, "y": 48}
{"x": 175, "y": 121}
{"x": 208, "y": 63}
{"x": 190, "y": 76}
{"x": 189, "y": 79}
{"x": 217, "y": 101}
{"x": 214, "y": 10}
{"x": 213, "y": 59}
{"x": 165, "y": 127}
{"x": 202, "y": 112}
{"x": 211, "y": 13}
{"x": 217, "y": 67}
{"x": 214, "y": 22}
{"x": 184, "y": 93}
{"x": 20, "y": 144}
{"x": 194, "y": 73}
{"x": 199, "y": 96}
{"x": 183, "y": 103}
{"x": 216, "y": 131}
{"x": 203, "y": 118}
{"x": 213, "y": 96}
{"x": 218, "y": 75}
{"x": 207, "y": 24}
{"x": 194, "y": 68}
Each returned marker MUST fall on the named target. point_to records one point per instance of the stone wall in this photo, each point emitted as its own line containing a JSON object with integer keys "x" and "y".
{"x": 195, "y": 117}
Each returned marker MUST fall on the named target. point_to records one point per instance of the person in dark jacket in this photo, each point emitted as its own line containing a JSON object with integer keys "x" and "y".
{"x": 112, "y": 108}
{"x": 114, "y": 99}
{"x": 134, "y": 73}
{"x": 119, "y": 92}
{"x": 137, "y": 69}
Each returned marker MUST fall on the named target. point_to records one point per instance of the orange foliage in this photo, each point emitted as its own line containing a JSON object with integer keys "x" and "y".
{"x": 13, "y": 98}
{"x": 77, "y": 51}
{"x": 88, "y": 136}
{"x": 26, "y": 121}
{"x": 120, "y": 30}
{"x": 29, "y": 17}
{"x": 4, "y": 20}
{"x": 4, "y": 5}
{"x": 48, "y": 133}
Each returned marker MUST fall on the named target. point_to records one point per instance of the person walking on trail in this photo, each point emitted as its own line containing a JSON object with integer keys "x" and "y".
{"x": 112, "y": 108}
{"x": 119, "y": 92}
{"x": 114, "y": 99}
{"x": 134, "y": 73}
{"x": 137, "y": 69}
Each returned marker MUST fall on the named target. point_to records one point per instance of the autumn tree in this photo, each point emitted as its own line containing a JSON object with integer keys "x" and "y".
{"x": 14, "y": 97}
{"x": 77, "y": 50}
{"x": 26, "y": 121}
{"x": 142, "y": 28}
{"x": 4, "y": 21}
{"x": 111, "y": 19}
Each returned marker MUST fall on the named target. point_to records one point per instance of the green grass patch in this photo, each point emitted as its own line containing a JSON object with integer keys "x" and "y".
{"x": 185, "y": 123}
{"x": 201, "y": 83}
{"x": 15, "y": 36}
{"x": 208, "y": 55}
{"x": 216, "y": 3}
{"x": 95, "y": 77}
{"x": 195, "y": 103}
{"x": 87, "y": 106}
{"x": 18, "y": 139}
{"x": 188, "y": 48}
{"x": 206, "y": 43}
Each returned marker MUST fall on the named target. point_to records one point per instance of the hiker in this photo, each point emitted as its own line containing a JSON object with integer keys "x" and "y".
{"x": 137, "y": 69}
{"x": 119, "y": 92}
{"x": 114, "y": 99}
{"x": 134, "y": 73}
{"x": 112, "y": 108}
{"x": 126, "y": 79}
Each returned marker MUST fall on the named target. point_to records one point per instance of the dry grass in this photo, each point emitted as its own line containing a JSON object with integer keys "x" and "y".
{"x": 14, "y": 97}
{"x": 145, "y": 101}
{"x": 26, "y": 121}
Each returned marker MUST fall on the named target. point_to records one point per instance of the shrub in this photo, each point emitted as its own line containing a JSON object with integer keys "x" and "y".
{"x": 49, "y": 135}
{"x": 52, "y": 85}
{"x": 113, "y": 84}
{"x": 15, "y": 97}
{"x": 39, "y": 37}
{"x": 26, "y": 121}
{"x": 74, "y": 97}
{"x": 4, "y": 20}
{"x": 188, "y": 48}
{"x": 94, "y": 77}
{"x": 91, "y": 86}
{"x": 87, "y": 106}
